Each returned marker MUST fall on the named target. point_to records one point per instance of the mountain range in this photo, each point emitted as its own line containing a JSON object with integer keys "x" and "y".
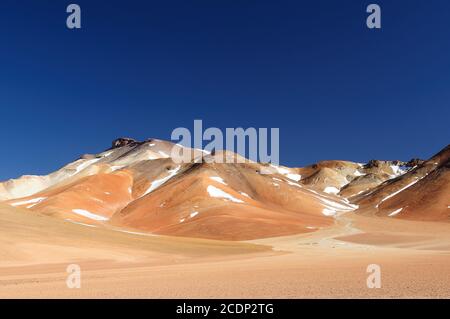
{"x": 137, "y": 187}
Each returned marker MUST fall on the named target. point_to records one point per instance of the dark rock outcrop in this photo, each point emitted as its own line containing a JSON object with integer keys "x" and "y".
{"x": 123, "y": 141}
{"x": 414, "y": 162}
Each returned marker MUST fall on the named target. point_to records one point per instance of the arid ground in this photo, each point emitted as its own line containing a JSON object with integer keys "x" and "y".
{"x": 35, "y": 251}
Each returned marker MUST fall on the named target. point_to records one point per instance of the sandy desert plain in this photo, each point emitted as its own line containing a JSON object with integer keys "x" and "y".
{"x": 414, "y": 258}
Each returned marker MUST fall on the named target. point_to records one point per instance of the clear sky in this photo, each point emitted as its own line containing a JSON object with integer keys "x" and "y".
{"x": 336, "y": 89}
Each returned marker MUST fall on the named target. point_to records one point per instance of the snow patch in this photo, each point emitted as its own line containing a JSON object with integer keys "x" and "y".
{"x": 246, "y": 195}
{"x": 332, "y": 207}
{"x": 395, "y": 193}
{"x": 344, "y": 183}
{"x": 286, "y": 172}
{"x": 331, "y": 190}
{"x": 397, "y": 170}
{"x": 193, "y": 214}
{"x": 34, "y": 201}
{"x": 84, "y": 164}
{"x": 151, "y": 156}
{"x": 338, "y": 206}
{"x": 218, "y": 193}
{"x": 295, "y": 177}
{"x": 218, "y": 179}
{"x": 294, "y": 184}
{"x": 358, "y": 173}
{"x": 89, "y": 215}
{"x": 116, "y": 167}
{"x": 106, "y": 154}
{"x": 157, "y": 183}
{"x": 280, "y": 170}
{"x": 328, "y": 212}
{"x": 395, "y": 212}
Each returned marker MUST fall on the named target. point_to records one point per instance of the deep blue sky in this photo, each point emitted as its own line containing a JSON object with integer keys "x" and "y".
{"x": 336, "y": 89}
